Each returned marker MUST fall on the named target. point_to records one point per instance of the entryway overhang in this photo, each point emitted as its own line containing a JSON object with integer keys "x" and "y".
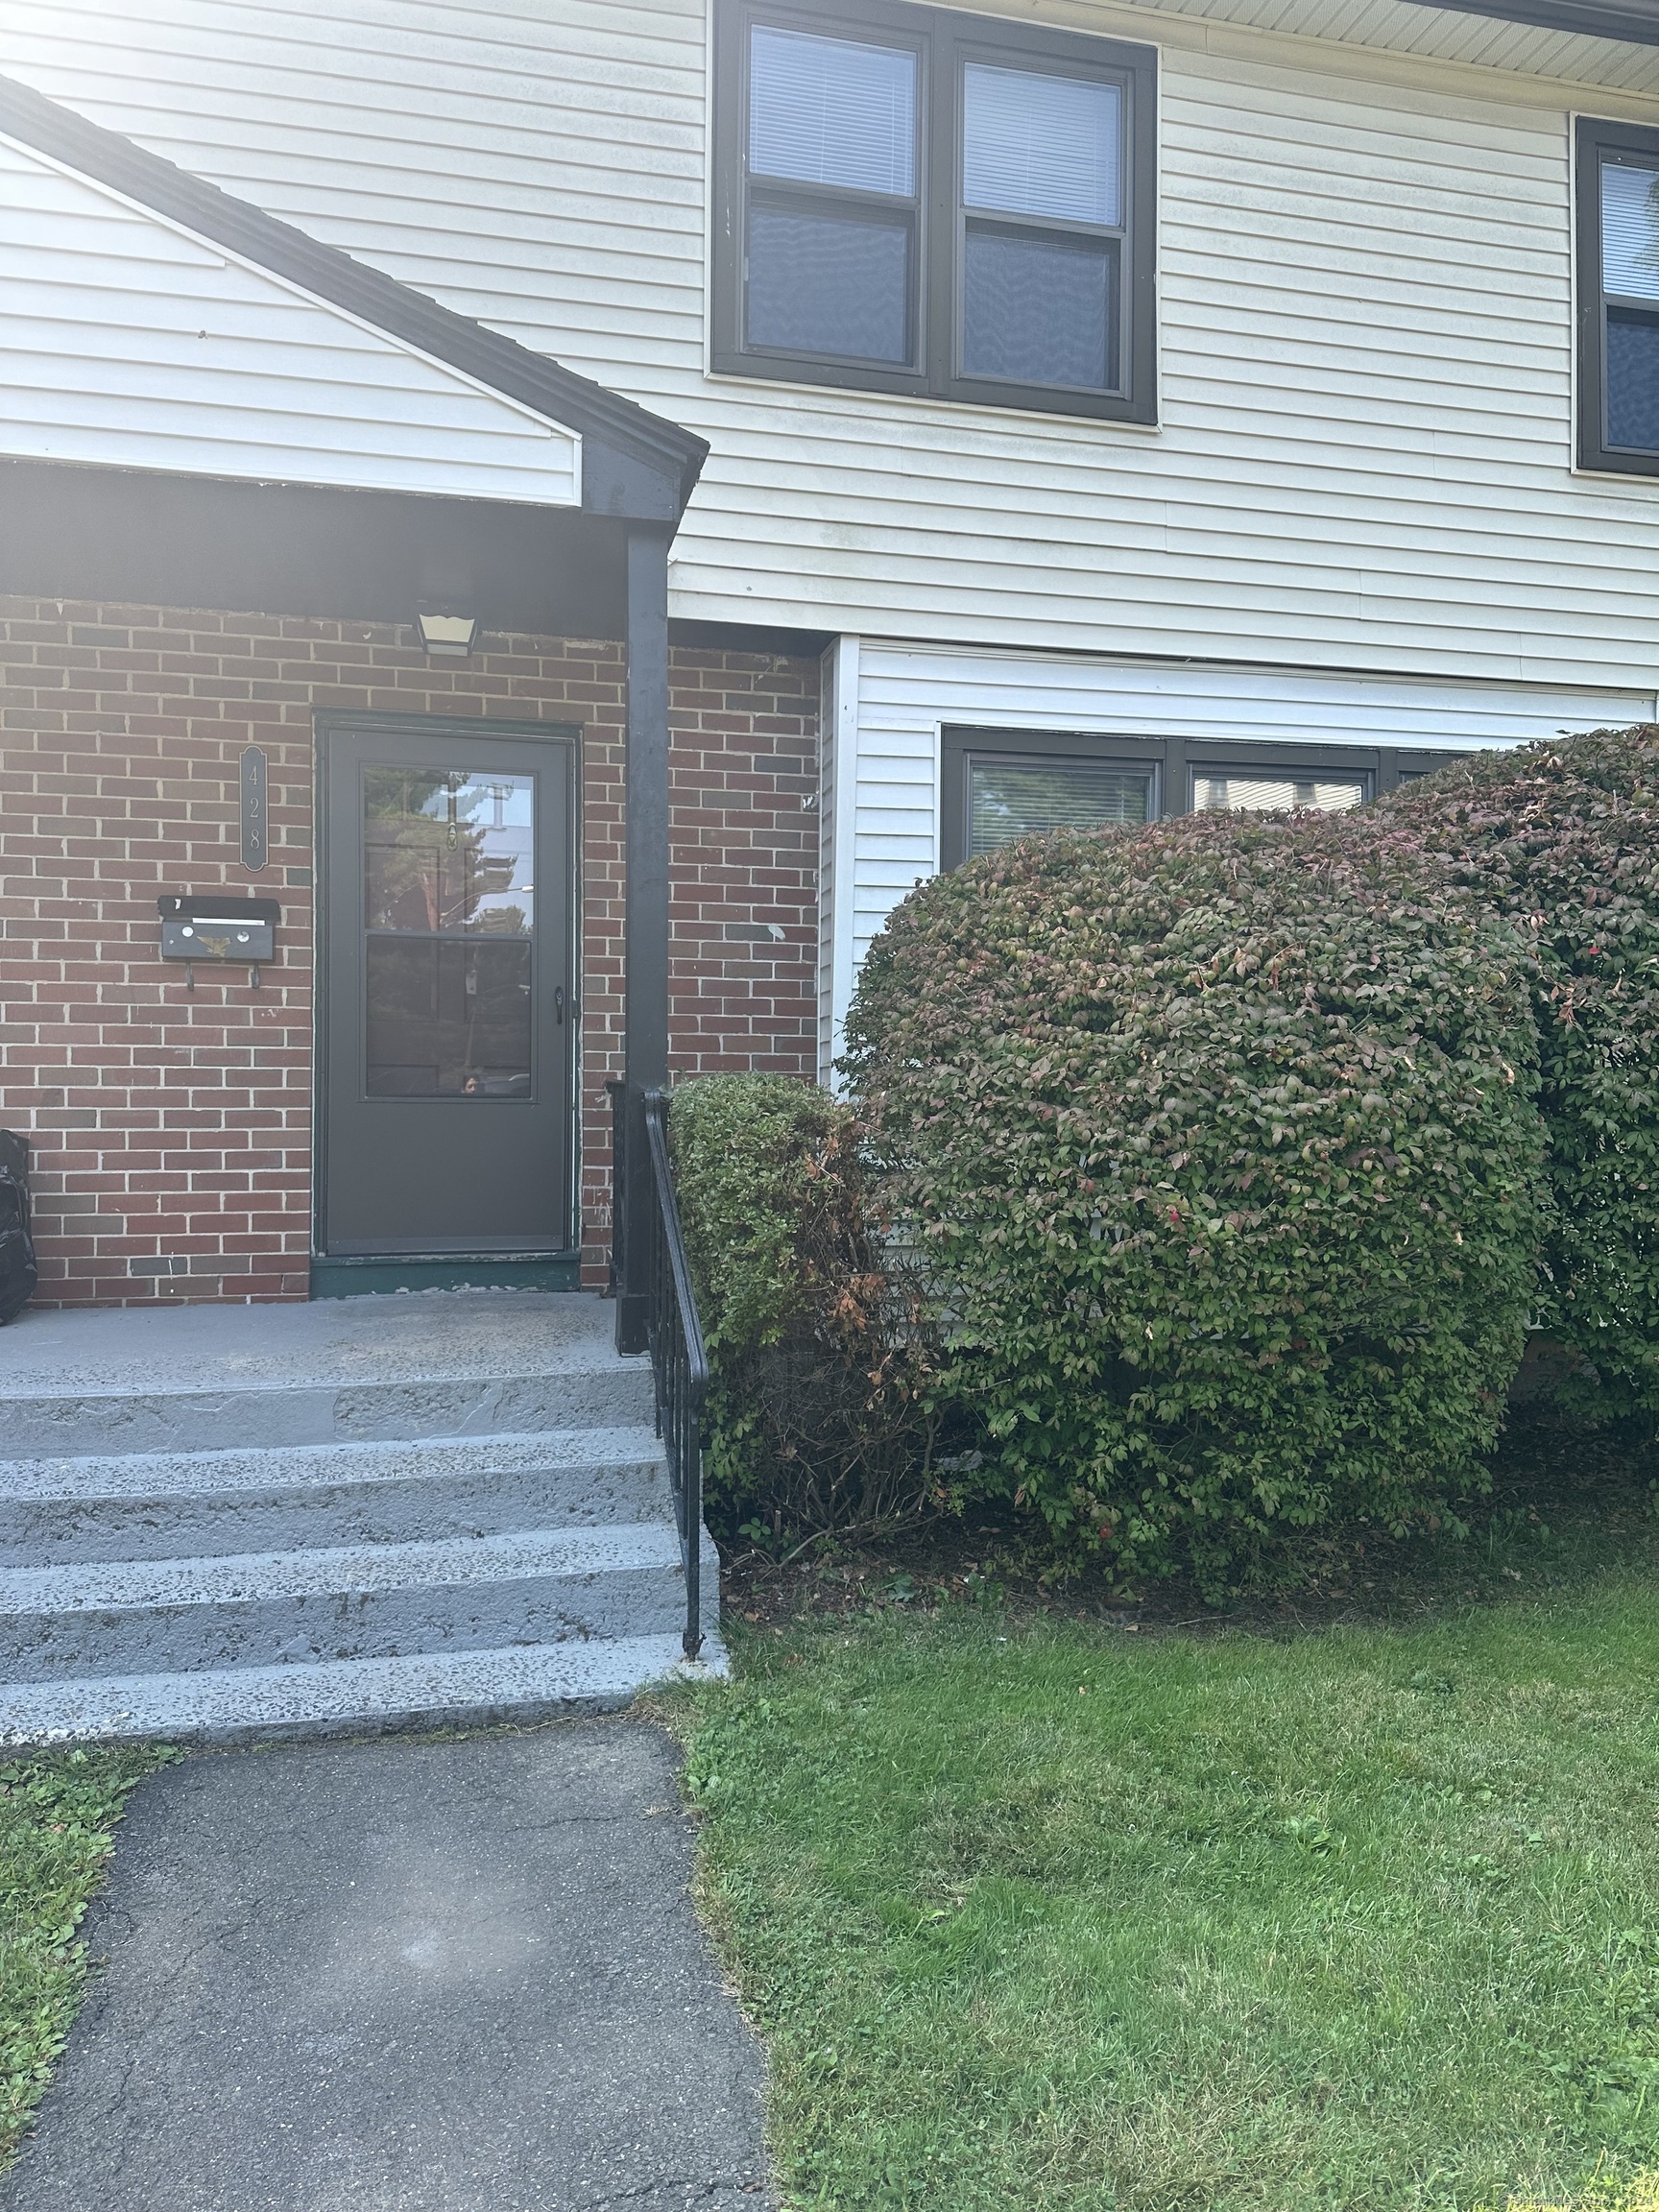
{"x": 201, "y": 405}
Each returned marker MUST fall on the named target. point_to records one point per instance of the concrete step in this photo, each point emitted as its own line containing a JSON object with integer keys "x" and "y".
{"x": 85, "y": 1422}
{"x": 368, "y": 1602}
{"x": 349, "y": 1696}
{"x": 240, "y": 1521}
{"x": 219, "y": 1378}
{"x": 174, "y": 1506}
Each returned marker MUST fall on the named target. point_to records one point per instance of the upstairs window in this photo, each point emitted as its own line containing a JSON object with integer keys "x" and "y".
{"x": 1618, "y": 185}
{"x": 833, "y": 199}
{"x": 914, "y": 201}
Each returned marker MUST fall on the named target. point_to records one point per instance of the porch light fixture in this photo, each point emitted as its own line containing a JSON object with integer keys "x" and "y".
{"x": 448, "y": 637}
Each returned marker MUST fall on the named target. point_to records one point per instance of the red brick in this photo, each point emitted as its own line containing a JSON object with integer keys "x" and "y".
{"x": 185, "y": 1117}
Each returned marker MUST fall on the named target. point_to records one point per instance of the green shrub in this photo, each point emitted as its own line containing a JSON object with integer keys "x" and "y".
{"x": 819, "y": 1416}
{"x": 1564, "y": 838}
{"x": 1221, "y": 1141}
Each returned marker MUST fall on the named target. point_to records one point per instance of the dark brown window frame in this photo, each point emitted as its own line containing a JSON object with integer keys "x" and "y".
{"x": 946, "y": 38}
{"x": 1594, "y": 142}
{"x": 1173, "y": 762}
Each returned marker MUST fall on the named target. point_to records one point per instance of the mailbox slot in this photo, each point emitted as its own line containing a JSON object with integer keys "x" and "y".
{"x": 213, "y": 937}
{"x": 219, "y": 930}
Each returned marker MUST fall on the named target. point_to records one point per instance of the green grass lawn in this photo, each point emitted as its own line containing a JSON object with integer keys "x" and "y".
{"x": 58, "y": 1818}
{"x": 1034, "y": 1912}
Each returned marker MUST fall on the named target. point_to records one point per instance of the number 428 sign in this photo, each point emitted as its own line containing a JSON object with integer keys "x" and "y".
{"x": 255, "y": 820}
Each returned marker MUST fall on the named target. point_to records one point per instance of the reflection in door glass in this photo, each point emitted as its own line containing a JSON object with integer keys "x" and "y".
{"x": 450, "y": 877}
{"x": 448, "y": 850}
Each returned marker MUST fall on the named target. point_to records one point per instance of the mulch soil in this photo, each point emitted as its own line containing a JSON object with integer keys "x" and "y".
{"x": 1559, "y": 1489}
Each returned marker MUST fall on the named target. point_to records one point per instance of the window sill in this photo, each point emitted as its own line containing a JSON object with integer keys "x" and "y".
{"x": 1637, "y": 479}
{"x": 982, "y": 411}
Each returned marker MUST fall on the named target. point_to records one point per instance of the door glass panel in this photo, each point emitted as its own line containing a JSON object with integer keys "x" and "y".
{"x": 1010, "y": 799}
{"x": 1266, "y": 794}
{"x": 449, "y": 851}
{"x": 449, "y": 887}
{"x": 448, "y": 1019}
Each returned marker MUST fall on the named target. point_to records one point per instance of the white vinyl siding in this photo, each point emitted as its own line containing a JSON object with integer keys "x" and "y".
{"x": 1365, "y": 319}
{"x": 888, "y": 748}
{"x": 126, "y": 343}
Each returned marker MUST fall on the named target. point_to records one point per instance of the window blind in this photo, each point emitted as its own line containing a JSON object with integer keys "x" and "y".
{"x": 1036, "y": 145}
{"x": 1630, "y": 230}
{"x": 1269, "y": 794}
{"x": 831, "y": 112}
{"x": 1019, "y": 799}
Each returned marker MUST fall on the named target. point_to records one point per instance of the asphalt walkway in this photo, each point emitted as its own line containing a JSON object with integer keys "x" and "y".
{"x": 404, "y": 1976}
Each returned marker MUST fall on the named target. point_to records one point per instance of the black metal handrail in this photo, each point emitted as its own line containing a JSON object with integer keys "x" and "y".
{"x": 678, "y": 1363}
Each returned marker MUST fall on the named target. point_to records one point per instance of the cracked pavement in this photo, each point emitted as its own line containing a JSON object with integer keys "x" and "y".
{"x": 404, "y": 1976}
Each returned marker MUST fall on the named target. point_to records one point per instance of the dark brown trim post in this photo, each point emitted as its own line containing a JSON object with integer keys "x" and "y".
{"x": 645, "y": 925}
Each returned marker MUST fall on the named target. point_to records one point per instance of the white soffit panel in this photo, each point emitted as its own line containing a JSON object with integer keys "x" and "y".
{"x": 126, "y": 342}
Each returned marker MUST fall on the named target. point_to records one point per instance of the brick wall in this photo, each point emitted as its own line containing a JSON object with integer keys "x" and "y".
{"x": 744, "y": 863}
{"x": 743, "y": 776}
{"x": 172, "y": 1128}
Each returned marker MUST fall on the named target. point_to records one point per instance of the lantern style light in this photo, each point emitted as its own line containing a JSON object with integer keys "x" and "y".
{"x": 448, "y": 637}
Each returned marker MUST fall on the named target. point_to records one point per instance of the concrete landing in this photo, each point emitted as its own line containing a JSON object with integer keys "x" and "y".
{"x": 405, "y": 1976}
{"x": 331, "y": 1340}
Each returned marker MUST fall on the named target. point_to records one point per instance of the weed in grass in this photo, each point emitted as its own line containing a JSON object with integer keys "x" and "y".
{"x": 58, "y": 1818}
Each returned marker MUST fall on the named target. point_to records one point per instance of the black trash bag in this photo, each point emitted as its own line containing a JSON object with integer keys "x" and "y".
{"x": 18, "y": 1273}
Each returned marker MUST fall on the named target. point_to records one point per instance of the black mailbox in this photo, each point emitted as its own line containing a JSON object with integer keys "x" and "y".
{"x": 219, "y": 929}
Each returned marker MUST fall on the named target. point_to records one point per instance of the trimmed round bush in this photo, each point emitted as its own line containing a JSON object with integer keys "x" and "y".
{"x": 819, "y": 1416}
{"x": 1564, "y": 839}
{"x": 1220, "y": 1139}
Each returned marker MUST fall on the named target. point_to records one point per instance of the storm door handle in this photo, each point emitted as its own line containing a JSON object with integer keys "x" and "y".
{"x": 559, "y": 1004}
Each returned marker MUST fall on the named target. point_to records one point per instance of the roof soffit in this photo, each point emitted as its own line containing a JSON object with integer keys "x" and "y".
{"x": 1549, "y": 41}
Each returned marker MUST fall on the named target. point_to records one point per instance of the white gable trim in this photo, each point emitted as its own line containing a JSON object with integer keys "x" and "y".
{"x": 499, "y": 448}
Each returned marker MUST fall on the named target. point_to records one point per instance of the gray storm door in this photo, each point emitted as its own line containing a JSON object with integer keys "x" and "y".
{"x": 449, "y": 1015}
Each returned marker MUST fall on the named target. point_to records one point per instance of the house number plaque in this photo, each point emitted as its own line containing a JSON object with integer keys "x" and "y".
{"x": 256, "y": 821}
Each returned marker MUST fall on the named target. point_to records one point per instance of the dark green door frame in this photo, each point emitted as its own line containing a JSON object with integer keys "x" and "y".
{"x": 426, "y": 1167}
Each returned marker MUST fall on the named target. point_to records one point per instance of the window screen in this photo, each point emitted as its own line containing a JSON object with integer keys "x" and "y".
{"x": 1042, "y": 190}
{"x": 831, "y": 228}
{"x": 1009, "y": 799}
{"x": 821, "y": 281}
{"x": 1266, "y": 794}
